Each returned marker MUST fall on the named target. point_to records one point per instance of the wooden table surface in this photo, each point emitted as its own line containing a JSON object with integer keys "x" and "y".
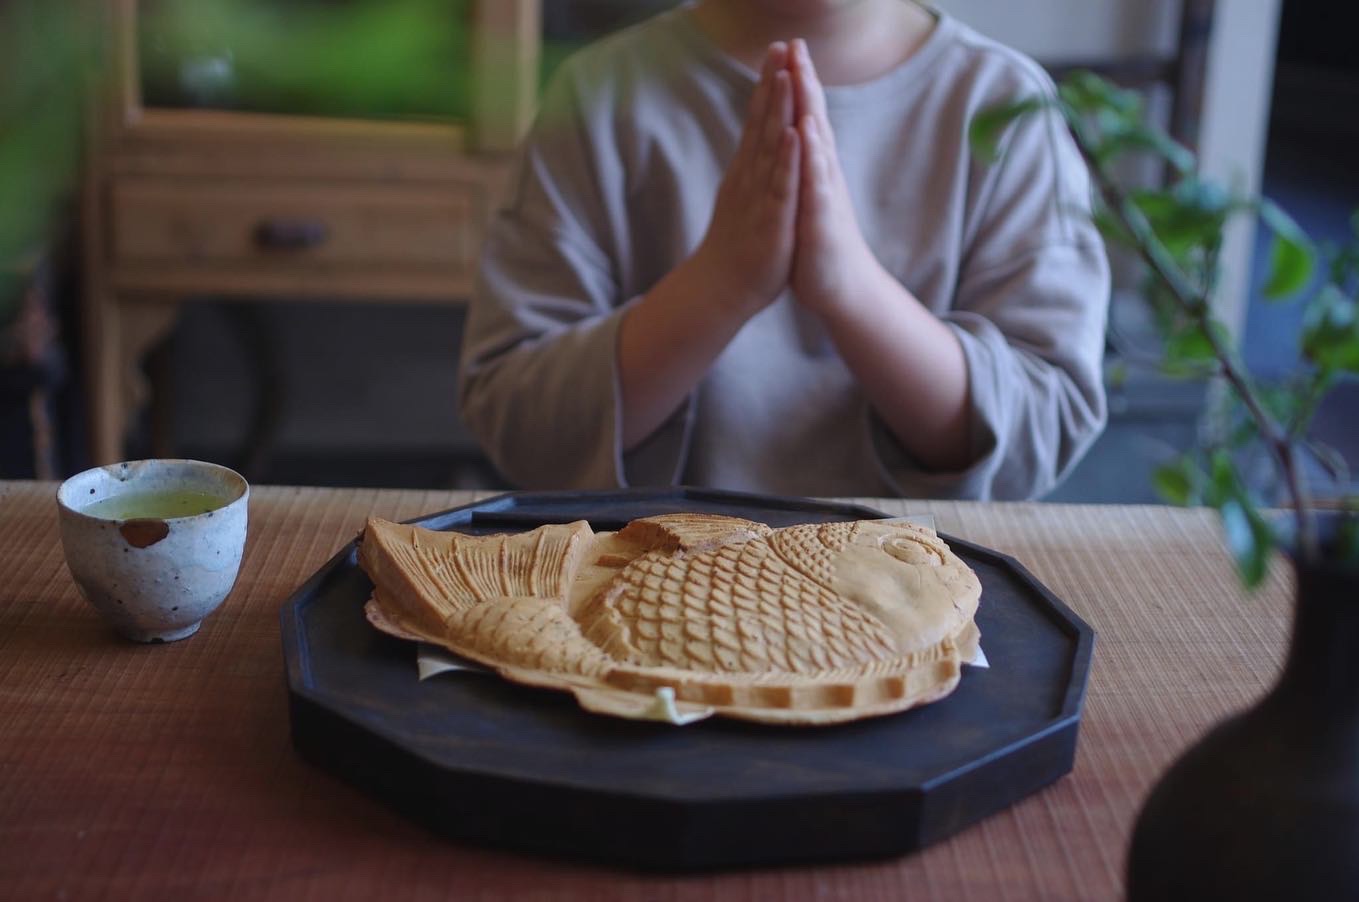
{"x": 131, "y": 771}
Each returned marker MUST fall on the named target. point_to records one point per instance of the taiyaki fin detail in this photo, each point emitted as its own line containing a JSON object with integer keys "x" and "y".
{"x": 426, "y": 577}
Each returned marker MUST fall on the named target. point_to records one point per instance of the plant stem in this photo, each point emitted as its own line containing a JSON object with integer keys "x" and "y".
{"x": 1195, "y": 304}
{"x": 1315, "y": 391}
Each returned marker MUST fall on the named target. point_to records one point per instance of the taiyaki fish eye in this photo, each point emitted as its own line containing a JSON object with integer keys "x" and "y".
{"x": 910, "y": 550}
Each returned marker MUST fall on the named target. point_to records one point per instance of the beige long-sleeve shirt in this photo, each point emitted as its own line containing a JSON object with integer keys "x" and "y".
{"x": 614, "y": 187}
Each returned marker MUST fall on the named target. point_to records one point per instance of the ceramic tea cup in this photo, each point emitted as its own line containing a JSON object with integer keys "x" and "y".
{"x": 154, "y": 545}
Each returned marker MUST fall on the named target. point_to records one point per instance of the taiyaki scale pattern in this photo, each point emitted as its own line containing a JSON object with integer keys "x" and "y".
{"x": 697, "y": 613}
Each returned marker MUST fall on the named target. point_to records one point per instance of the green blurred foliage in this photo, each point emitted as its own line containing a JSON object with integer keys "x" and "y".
{"x": 44, "y": 57}
{"x": 361, "y": 58}
{"x": 1178, "y": 233}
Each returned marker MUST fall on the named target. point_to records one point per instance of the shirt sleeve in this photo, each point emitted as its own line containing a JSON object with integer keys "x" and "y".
{"x": 1029, "y": 311}
{"x": 538, "y": 381}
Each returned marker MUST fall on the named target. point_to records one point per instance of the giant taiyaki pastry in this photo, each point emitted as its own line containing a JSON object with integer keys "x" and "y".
{"x": 694, "y": 614}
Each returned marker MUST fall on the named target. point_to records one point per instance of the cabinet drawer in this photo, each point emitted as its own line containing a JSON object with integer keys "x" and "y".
{"x": 269, "y": 224}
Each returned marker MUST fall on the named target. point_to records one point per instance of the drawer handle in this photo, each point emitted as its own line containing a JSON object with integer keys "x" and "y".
{"x": 290, "y": 234}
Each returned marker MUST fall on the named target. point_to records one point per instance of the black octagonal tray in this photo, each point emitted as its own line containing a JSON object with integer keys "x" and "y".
{"x": 481, "y": 759}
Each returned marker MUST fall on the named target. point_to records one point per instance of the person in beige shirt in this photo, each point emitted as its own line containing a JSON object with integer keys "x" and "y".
{"x": 747, "y": 246}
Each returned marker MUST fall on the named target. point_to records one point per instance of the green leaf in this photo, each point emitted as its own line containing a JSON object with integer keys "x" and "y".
{"x": 1167, "y": 314}
{"x": 1111, "y": 228}
{"x": 1114, "y": 120}
{"x": 1248, "y": 535}
{"x": 1179, "y": 482}
{"x": 1187, "y": 218}
{"x": 1089, "y": 94}
{"x": 1116, "y": 374}
{"x": 1282, "y": 401}
{"x": 1292, "y": 258}
{"x": 1344, "y": 264}
{"x": 1330, "y": 331}
{"x": 988, "y": 125}
{"x": 1179, "y": 156}
{"x": 1191, "y": 345}
{"x": 1189, "y": 351}
{"x": 1222, "y": 484}
{"x": 1249, "y": 538}
{"x": 1146, "y": 138}
{"x": 1242, "y": 432}
{"x": 1290, "y": 268}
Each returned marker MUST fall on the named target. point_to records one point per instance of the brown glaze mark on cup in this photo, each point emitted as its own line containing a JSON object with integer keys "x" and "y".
{"x": 145, "y": 532}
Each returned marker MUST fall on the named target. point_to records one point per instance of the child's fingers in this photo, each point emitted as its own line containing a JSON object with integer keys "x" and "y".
{"x": 814, "y": 182}
{"x": 783, "y": 179}
{"x": 811, "y": 96}
{"x": 749, "y": 132}
{"x": 802, "y": 87}
{"x": 776, "y": 222}
{"x": 781, "y": 106}
{"x": 778, "y": 116}
{"x": 775, "y": 60}
{"x": 777, "y": 103}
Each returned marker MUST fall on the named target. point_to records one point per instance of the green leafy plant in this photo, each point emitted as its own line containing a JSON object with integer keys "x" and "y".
{"x": 1177, "y": 232}
{"x": 42, "y": 57}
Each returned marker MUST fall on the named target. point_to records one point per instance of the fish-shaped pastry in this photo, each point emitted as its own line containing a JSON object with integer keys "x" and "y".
{"x": 700, "y": 613}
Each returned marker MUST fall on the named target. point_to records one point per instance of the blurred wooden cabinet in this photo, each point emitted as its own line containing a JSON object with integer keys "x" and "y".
{"x": 199, "y": 202}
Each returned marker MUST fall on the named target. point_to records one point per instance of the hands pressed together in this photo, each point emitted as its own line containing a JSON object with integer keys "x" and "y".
{"x": 783, "y": 216}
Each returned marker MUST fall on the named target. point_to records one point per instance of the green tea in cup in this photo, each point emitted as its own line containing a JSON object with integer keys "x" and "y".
{"x": 161, "y": 504}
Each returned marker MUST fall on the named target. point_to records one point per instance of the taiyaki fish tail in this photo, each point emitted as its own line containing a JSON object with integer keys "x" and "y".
{"x": 425, "y": 578}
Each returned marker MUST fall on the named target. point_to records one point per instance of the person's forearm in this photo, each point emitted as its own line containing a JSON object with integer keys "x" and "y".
{"x": 909, "y": 364}
{"x": 668, "y": 340}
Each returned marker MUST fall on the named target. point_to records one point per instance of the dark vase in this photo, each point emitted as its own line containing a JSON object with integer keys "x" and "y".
{"x": 1266, "y": 806}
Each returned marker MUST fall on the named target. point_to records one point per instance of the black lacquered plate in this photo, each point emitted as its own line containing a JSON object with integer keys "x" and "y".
{"x": 481, "y": 759}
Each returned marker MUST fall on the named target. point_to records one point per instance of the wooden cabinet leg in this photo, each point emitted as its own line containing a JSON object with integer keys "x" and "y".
{"x": 103, "y": 384}
{"x": 120, "y": 331}
{"x": 146, "y": 321}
